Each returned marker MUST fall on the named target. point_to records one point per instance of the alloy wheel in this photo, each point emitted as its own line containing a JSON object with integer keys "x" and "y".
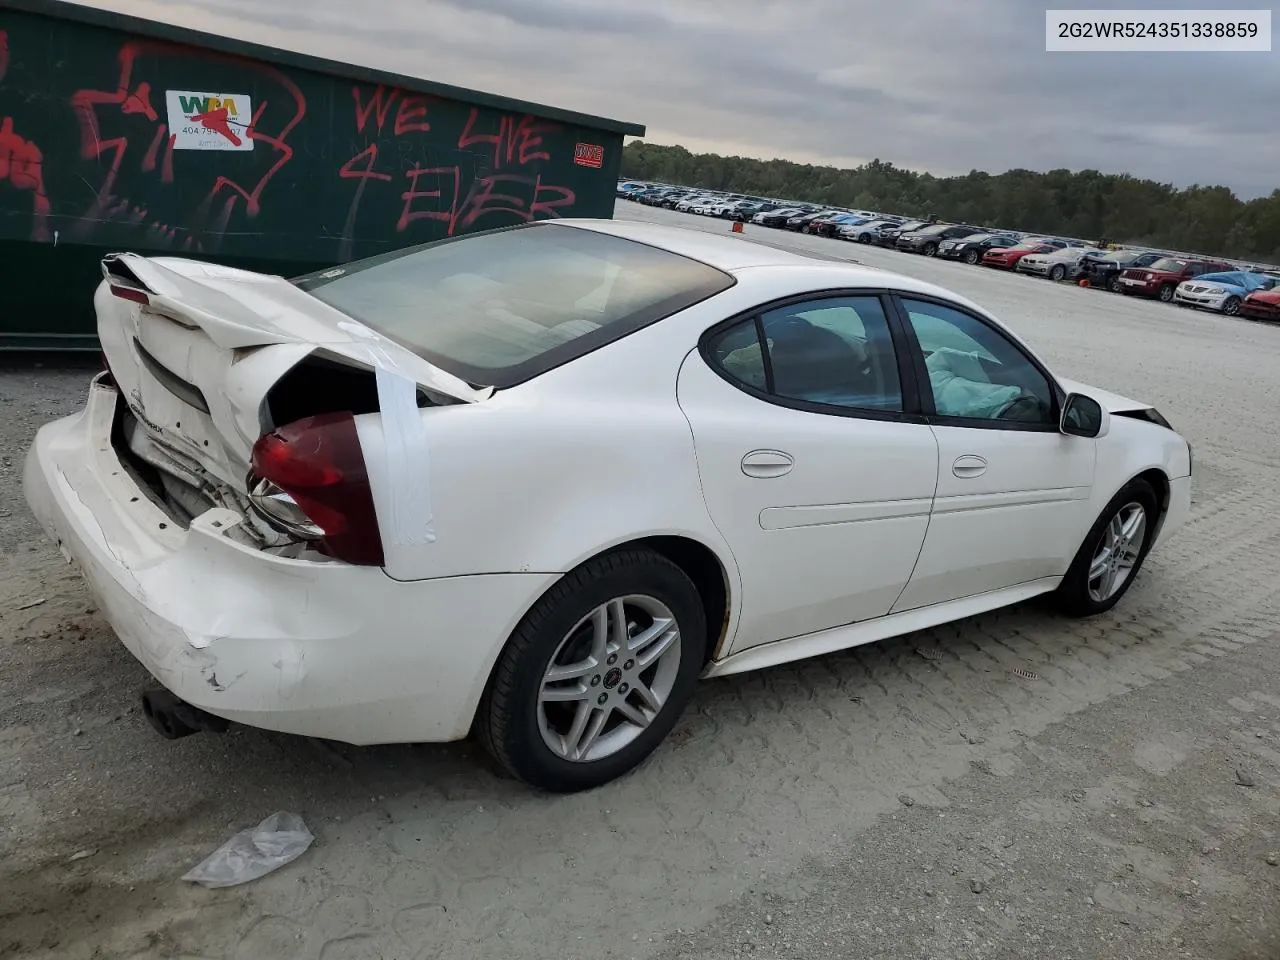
{"x": 609, "y": 678}
{"x": 1118, "y": 552}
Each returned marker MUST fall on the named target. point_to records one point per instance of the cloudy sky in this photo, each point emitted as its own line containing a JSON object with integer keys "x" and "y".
{"x": 938, "y": 85}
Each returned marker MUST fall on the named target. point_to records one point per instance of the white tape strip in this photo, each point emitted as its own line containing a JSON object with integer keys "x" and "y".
{"x": 406, "y": 444}
{"x": 408, "y": 459}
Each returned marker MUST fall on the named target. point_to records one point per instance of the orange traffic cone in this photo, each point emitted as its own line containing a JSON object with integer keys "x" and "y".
{"x": 1084, "y": 283}
{"x": 737, "y": 226}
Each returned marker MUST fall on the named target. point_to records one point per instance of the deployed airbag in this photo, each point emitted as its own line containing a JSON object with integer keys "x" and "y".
{"x": 961, "y": 387}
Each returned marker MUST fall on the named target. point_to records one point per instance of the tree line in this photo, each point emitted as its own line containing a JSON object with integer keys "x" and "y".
{"x": 1086, "y": 204}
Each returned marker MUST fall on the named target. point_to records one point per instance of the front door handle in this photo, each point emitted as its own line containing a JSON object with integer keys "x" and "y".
{"x": 764, "y": 464}
{"x": 968, "y": 466}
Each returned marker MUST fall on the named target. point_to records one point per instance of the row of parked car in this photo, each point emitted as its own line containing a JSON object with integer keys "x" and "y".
{"x": 1196, "y": 282}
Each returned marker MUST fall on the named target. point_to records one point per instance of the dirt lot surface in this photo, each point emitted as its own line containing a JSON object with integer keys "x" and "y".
{"x": 1016, "y": 785}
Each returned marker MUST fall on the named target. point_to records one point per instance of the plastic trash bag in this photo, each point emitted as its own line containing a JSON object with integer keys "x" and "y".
{"x": 253, "y": 853}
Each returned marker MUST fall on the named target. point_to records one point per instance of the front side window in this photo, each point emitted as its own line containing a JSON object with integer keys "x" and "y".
{"x": 975, "y": 372}
{"x": 496, "y": 308}
{"x": 834, "y": 352}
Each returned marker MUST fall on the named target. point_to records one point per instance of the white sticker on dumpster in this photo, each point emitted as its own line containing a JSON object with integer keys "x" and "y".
{"x": 209, "y": 121}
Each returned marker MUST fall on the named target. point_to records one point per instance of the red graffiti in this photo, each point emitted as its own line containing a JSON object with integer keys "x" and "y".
{"x": 515, "y": 140}
{"x": 498, "y": 148}
{"x": 22, "y": 164}
{"x": 521, "y": 198}
{"x": 411, "y": 110}
{"x": 140, "y": 102}
{"x": 219, "y": 122}
{"x": 380, "y": 102}
{"x": 506, "y": 195}
{"x": 132, "y": 97}
{"x": 153, "y": 152}
{"x": 409, "y": 116}
{"x": 349, "y": 171}
{"x": 408, "y": 215}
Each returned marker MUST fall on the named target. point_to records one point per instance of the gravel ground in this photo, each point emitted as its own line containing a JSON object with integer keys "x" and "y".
{"x": 1012, "y": 785}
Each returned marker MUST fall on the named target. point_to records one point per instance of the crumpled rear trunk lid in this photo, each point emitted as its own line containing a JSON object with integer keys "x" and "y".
{"x": 209, "y": 358}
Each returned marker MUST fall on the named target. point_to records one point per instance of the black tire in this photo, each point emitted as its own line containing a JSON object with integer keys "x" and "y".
{"x": 1072, "y": 596}
{"x": 1058, "y": 272}
{"x": 972, "y": 257}
{"x": 930, "y": 249}
{"x": 507, "y": 720}
{"x": 1231, "y": 306}
{"x": 1166, "y": 293}
{"x": 1114, "y": 285}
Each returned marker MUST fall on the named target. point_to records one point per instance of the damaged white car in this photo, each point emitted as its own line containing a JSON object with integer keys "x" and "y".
{"x": 533, "y": 483}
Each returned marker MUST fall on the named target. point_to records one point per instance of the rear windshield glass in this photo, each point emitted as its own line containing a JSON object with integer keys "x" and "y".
{"x": 499, "y": 307}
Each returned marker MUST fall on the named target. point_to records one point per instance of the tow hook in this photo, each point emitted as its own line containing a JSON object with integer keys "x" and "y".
{"x": 174, "y": 718}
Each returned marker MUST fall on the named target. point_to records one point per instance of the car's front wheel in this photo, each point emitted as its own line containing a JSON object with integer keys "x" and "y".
{"x": 1114, "y": 285}
{"x": 930, "y": 249}
{"x": 1231, "y": 307}
{"x": 971, "y": 257}
{"x": 1166, "y": 293}
{"x": 1112, "y": 553}
{"x": 596, "y": 674}
{"x": 1058, "y": 272}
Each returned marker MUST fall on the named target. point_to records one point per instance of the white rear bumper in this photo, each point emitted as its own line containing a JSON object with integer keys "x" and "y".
{"x": 322, "y": 649}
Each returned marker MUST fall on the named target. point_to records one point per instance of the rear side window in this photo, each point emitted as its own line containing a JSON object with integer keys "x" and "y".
{"x": 499, "y": 307}
{"x": 834, "y": 352}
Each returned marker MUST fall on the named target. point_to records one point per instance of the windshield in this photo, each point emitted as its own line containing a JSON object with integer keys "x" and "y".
{"x": 932, "y": 231}
{"x": 1170, "y": 264}
{"x": 499, "y": 307}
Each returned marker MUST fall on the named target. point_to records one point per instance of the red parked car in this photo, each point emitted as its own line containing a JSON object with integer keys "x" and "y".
{"x": 1006, "y": 258}
{"x": 1262, "y": 305}
{"x": 1161, "y": 278}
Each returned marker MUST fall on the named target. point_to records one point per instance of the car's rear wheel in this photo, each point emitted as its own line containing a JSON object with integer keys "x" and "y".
{"x": 971, "y": 257}
{"x": 1166, "y": 293}
{"x": 1112, "y": 553}
{"x": 1231, "y": 306}
{"x": 596, "y": 674}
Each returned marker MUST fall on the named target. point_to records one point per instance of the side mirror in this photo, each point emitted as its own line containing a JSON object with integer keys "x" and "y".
{"x": 1084, "y": 416}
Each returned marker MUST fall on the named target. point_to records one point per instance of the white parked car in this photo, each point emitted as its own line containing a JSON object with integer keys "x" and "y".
{"x": 1063, "y": 264}
{"x": 535, "y": 482}
{"x": 687, "y": 205}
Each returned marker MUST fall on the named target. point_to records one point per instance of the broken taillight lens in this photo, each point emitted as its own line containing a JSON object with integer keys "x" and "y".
{"x": 316, "y": 464}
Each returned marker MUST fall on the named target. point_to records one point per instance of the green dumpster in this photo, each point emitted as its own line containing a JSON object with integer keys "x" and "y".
{"x": 121, "y": 134}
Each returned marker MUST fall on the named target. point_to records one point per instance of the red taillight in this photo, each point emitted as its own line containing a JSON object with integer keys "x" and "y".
{"x": 130, "y": 293}
{"x": 318, "y": 461}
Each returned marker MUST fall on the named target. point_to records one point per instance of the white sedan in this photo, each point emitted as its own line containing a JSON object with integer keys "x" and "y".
{"x": 533, "y": 483}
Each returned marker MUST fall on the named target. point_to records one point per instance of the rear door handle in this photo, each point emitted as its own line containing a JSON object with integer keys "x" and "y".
{"x": 968, "y": 466}
{"x": 764, "y": 464}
